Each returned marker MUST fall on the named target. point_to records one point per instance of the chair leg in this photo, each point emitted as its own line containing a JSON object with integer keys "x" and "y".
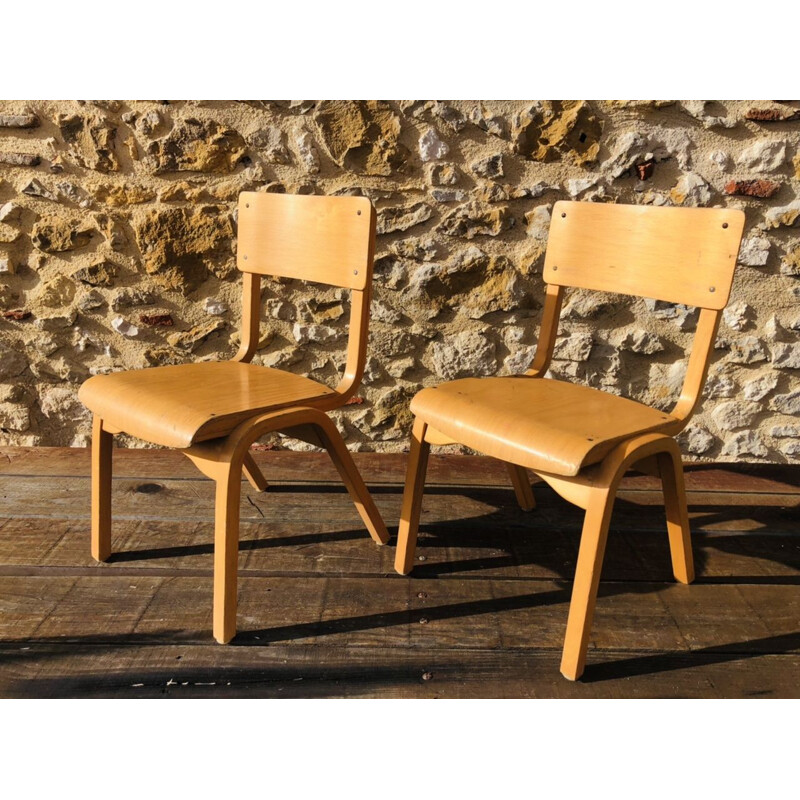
{"x": 226, "y": 551}
{"x": 101, "y": 491}
{"x": 343, "y": 461}
{"x": 680, "y": 541}
{"x": 412, "y": 499}
{"x": 521, "y": 482}
{"x": 587, "y": 578}
{"x": 253, "y": 474}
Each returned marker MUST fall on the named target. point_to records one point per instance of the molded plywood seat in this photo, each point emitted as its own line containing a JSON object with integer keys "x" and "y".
{"x": 580, "y": 440}
{"x": 178, "y": 406}
{"x": 549, "y": 425}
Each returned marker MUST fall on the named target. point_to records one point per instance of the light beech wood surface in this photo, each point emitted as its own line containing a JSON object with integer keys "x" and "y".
{"x": 214, "y": 411}
{"x": 580, "y": 440}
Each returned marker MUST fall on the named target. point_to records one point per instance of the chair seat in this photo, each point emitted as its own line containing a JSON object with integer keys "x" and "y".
{"x": 178, "y": 406}
{"x": 539, "y": 423}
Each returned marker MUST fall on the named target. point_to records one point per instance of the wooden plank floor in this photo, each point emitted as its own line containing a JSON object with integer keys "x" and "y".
{"x": 322, "y": 613}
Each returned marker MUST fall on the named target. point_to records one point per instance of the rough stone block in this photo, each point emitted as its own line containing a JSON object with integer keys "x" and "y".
{"x": 760, "y": 188}
{"x": 19, "y": 121}
{"x": 574, "y": 347}
{"x": 786, "y": 356}
{"x": 464, "y": 355}
{"x": 401, "y": 218}
{"x": 754, "y": 251}
{"x": 745, "y": 443}
{"x": 20, "y": 159}
{"x": 763, "y": 156}
{"x": 472, "y": 220}
{"x": 760, "y": 387}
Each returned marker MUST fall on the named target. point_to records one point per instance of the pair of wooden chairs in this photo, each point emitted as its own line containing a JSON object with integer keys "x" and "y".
{"x": 581, "y": 441}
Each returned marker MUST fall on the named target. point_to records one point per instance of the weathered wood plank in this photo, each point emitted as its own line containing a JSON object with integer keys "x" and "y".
{"x": 443, "y": 469}
{"x": 322, "y": 612}
{"x": 334, "y": 548}
{"x": 193, "y": 501}
{"x": 121, "y": 669}
{"x": 374, "y": 612}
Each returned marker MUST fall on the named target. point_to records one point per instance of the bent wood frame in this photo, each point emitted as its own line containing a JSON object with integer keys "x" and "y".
{"x": 225, "y": 459}
{"x": 594, "y": 488}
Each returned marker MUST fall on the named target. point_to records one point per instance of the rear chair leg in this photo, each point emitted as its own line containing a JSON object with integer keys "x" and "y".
{"x": 522, "y": 486}
{"x": 587, "y": 577}
{"x": 253, "y": 473}
{"x": 101, "y": 491}
{"x": 412, "y": 499}
{"x": 343, "y": 461}
{"x": 680, "y": 541}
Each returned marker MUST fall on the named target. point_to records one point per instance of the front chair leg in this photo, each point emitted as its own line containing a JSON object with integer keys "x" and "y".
{"x": 101, "y": 491}
{"x": 337, "y": 450}
{"x": 412, "y": 498}
{"x": 680, "y": 541}
{"x": 226, "y": 550}
{"x": 521, "y": 482}
{"x": 587, "y": 578}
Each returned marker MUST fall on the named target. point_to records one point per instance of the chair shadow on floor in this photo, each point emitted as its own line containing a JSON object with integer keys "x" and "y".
{"x": 637, "y": 560}
{"x": 319, "y": 680}
{"x": 547, "y": 536}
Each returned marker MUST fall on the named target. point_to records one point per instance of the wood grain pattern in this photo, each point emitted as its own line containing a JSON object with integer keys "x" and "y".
{"x": 380, "y": 468}
{"x": 178, "y": 406}
{"x": 101, "y": 491}
{"x": 540, "y": 424}
{"x": 308, "y": 237}
{"x": 215, "y": 411}
{"x": 112, "y": 670}
{"x": 521, "y": 483}
{"x": 581, "y": 441}
{"x": 251, "y": 317}
{"x": 683, "y": 255}
{"x": 321, "y": 615}
{"x": 553, "y": 299}
{"x": 412, "y": 498}
{"x": 460, "y": 615}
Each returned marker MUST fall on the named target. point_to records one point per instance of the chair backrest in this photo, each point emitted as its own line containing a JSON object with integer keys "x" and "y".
{"x": 682, "y": 255}
{"x": 320, "y": 239}
{"x": 329, "y": 240}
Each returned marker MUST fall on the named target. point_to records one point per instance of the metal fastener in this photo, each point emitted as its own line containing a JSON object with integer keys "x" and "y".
{"x": 563, "y": 215}
{"x": 359, "y": 213}
{"x": 711, "y": 289}
{"x": 724, "y": 224}
{"x": 244, "y": 258}
{"x": 555, "y": 269}
{"x": 247, "y": 205}
{"x": 355, "y": 272}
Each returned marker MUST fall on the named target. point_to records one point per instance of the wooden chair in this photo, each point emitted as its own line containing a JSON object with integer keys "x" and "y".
{"x": 581, "y": 441}
{"x": 214, "y": 411}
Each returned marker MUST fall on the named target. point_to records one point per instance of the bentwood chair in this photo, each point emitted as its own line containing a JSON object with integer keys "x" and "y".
{"x": 580, "y": 440}
{"x": 214, "y": 411}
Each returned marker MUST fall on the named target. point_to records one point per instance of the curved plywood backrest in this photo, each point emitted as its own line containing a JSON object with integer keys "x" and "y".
{"x": 682, "y": 255}
{"x": 320, "y": 239}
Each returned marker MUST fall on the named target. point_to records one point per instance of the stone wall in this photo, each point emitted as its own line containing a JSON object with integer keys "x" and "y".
{"x": 117, "y": 239}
